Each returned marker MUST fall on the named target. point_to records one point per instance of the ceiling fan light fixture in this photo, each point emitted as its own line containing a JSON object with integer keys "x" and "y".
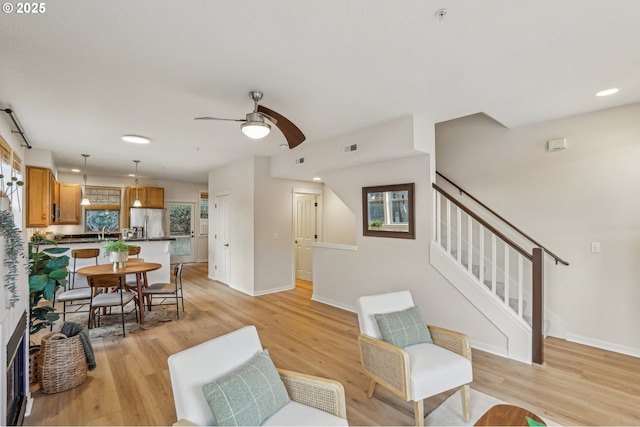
{"x": 136, "y": 139}
{"x": 255, "y": 130}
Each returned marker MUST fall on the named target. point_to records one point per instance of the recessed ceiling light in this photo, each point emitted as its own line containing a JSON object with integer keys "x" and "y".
{"x": 607, "y": 92}
{"x": 136, "y": 139}
{"x": 317, "y": 178}
{"x": 132, "y": 174}
{"x": 75, "y": 170}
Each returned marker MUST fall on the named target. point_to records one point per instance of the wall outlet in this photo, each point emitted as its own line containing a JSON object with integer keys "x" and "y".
{"x": 595, "y": 247}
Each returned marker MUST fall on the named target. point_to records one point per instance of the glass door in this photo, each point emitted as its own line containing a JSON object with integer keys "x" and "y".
{"x": 181, "y": 220}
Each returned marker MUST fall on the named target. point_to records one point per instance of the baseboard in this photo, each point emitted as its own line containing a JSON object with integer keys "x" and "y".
{"x": 617, "y": 348}
{"x": 333, "y": 303}
{"x": 498, "y": 351}
{"x": 273, "y": 291}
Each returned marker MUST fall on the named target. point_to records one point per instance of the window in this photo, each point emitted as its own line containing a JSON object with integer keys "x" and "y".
{"x": 95, "y": 220}
{"x": 11, "y": 180}
{"x": 104, "y": 210}
{"x": 204, "y": 213}
{"x": 103, "y": 197}
{"x": 388, "y": 211}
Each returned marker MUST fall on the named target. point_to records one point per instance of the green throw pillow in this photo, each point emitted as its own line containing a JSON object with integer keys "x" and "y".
{"x": 248, "y": 395}
{"x": 403, "y": 328}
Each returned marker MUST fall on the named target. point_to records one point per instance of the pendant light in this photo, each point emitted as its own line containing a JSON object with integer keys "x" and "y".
{"x": 85, "y": 200}
{"x": 136, "y": 203}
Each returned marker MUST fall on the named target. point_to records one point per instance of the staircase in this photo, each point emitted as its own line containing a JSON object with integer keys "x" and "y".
{"x": 502, "y": 278}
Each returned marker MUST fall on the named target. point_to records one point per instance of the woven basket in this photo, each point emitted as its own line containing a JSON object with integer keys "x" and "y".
{"x": 34, "y": 351}
{"x": 62, "y": 363}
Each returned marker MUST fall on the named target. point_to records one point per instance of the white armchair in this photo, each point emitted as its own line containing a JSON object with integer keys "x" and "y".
{"x": 417, "y": 371}
{"x": 314, "y": 401}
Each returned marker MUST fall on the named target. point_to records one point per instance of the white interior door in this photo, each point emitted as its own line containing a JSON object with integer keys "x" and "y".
{"x": 221, "y": 237}
{"x": 306, "y": 234}
{"x": 181, "y": 223}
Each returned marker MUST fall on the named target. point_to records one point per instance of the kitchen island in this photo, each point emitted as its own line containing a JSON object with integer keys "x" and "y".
{"x": 151, "y": 250}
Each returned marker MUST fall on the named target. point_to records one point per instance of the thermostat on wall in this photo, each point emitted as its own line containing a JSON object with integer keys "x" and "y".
{"x": 557, "y": 144}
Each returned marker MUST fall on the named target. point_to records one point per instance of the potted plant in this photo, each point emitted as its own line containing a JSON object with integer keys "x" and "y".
{"x": 118, "y": 252}
{"x": 47, "y": 274}
{"x": 376, "y": 224}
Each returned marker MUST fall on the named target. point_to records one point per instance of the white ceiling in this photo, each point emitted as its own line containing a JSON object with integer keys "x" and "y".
{"x": 84, "y": 73}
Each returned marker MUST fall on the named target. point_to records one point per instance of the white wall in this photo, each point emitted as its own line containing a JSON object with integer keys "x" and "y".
{"x": 236, "y": 179}
{"x": 565, "y": 200}
{"x": 261, "y": 228}
{"x": 339, "y": 221}
{"x": 378, "y": 264}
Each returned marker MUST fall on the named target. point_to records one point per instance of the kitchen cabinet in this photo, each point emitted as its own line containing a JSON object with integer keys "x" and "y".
{"x": 150, "y": 197}
{"x": 39, "y": 185}
{"x": 67, "y": 203}
{"x": 50, "y": 202}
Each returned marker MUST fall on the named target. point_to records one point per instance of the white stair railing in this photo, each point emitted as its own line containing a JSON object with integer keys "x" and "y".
{"x": 495, "y": 262}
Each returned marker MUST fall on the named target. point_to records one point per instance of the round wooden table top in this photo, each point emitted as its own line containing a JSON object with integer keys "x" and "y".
{"x": 507, "y": 415}
{"x": 131, "y": 268}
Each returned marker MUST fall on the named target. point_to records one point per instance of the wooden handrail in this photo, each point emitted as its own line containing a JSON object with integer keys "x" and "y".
{"x": 522, "y": 233}
{"x": 484, "y": 223}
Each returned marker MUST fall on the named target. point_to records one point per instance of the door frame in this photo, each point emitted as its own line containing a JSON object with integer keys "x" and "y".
{"x": 319, "y": 193}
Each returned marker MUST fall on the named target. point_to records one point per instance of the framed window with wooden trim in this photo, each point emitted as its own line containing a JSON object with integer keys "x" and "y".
{"x": 388, "y": 211}
{"x": 104, "y": 210}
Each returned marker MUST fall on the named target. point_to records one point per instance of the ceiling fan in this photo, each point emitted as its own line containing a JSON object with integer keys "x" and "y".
{"x": 255, "y": 125}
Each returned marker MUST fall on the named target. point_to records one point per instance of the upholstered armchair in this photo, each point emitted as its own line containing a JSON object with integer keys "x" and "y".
{"x": 313, "y": 401}
{"x": 416, "y": 371}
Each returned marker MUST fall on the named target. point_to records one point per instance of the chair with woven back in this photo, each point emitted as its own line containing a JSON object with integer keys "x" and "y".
{"x": 231, "y": 380}
{"x": 108, "y": 291}
{"x": 79, "y": 296}
{"x": 408, "y": 357}
{"x": 166, "y": 291}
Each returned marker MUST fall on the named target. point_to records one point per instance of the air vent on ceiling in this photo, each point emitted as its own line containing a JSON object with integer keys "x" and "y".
{"x": 300, "y": 161}
{"x": 350, "y": 148}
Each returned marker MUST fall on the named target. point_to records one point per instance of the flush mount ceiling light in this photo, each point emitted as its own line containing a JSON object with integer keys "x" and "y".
{"x": 607, "y": 92}
{"x": 136, "y": 202}
{"x": 136, "y": 139}
{"x": 85, "y": 200}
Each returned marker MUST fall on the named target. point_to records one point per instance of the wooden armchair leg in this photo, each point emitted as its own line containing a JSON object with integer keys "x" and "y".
{"x": 418, "y": 408}
{"x": 466, "y": 402}
{"x": 372, "y": 386}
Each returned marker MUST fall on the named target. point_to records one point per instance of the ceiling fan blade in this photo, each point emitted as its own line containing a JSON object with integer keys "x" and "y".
{"x": 217, "y": 118}
{"x": 290, "y": 131}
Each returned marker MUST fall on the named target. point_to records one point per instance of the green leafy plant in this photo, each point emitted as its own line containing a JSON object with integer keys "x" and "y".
{"x": 14, "y": 252}
{"x": 376, "y": 224}
{"x": 116, "y": 246}
{"x": 47, "y": 274}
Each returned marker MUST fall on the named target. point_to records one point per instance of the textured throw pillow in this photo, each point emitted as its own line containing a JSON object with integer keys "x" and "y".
{"x": 248, "y": 395}
{"x": 403, "y": 328}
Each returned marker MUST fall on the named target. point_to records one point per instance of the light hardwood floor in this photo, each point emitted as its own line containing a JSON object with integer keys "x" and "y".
{"x": 578, "y": 385}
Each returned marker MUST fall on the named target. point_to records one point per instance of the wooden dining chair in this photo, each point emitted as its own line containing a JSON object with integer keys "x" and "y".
{"x": 108, "y": 291}
{"x": 167, "y": 291}
{"x": 76, "y": 298}
{"x": 77, "y": 254}
{"x": 134, "y": 250}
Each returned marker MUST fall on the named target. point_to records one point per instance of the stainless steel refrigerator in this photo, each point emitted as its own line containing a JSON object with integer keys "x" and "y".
{"x": 152, "y": 221}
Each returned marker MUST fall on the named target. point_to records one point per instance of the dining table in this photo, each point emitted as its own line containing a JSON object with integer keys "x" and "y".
{"x": 133, "y": 266}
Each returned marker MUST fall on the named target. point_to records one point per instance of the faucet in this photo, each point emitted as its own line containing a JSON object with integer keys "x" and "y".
{"x": 102, "y": 234}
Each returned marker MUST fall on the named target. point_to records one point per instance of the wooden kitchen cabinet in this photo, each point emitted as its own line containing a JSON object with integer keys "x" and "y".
{"x": 39, "y": 185}
{"x": 150, "y": 197}
{"x": 67, "y": 204}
